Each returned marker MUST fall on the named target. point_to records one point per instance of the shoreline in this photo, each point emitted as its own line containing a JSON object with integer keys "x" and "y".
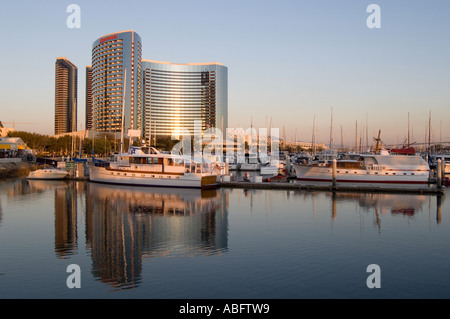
{"x": 15, "y": 169}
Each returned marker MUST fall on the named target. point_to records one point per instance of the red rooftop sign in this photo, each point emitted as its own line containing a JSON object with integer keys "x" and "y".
{"x": 111, "y": 37}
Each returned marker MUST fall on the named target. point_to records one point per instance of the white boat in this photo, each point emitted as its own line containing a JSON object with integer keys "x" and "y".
{"x": 233, "y": 165}
{"x": 446, "y": 158}
{"x": 269, "y": 169}
{"x": 401, "y": 169}
{"x": 48, "y": 173}
{"x": 163, "y": 170}
{"x": 251, "y": 163}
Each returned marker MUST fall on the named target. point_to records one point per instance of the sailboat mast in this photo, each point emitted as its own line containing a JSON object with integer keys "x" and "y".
{"x": 314, "y": 136}
{"x": 331, "y": 130}
{"x": 429, "y": 134}
{"x": 367, "y": 133}
{"x": 408, "y": 130}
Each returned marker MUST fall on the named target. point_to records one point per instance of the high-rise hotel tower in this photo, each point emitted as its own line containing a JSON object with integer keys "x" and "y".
{"x": 116, "y": 59}
{"x": 161, "y": 98}
{"x": 176, "y": 95}
{"x": 65, "y": 96}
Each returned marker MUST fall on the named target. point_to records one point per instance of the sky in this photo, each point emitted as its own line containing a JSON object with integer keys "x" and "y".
{"x": 288, "y": 61}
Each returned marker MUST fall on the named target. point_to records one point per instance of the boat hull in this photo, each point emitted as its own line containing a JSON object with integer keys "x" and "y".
{"x": 269, "y": 170}
{"x": 50, "y": 174}
{"x": 324, "y": 174}
{"x": 155, "y": 179}
{"x": 250, "y": 167}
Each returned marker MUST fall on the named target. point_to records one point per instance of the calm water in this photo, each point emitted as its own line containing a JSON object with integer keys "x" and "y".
{"x": 132, "y": 242}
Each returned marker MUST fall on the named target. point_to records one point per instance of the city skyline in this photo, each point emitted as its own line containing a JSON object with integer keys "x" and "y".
{"x": 288, "y": 62}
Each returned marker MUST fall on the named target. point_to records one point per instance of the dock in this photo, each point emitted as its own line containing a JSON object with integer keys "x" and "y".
{"x": 432, "y": 190}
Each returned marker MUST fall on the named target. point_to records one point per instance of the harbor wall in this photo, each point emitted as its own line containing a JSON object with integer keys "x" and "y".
{"x": 15, "y": 168}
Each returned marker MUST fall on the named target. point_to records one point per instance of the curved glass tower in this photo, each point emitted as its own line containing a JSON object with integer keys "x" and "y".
{"x": 175, "y": 95}
{"x": 111, "y": 55}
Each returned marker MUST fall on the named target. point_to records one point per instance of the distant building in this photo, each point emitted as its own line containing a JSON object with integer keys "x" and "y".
{"x": 88, "y": 103}
{"x": 5, "y": 130}
{"x": 307, "y": 145}
{"x": 65, "y": 96}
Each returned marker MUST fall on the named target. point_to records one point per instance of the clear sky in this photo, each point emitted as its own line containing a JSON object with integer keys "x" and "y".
{"x": 288, "y": 61}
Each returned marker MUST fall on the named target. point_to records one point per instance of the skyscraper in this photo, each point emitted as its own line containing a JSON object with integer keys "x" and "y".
{"x": 175, "y": 95}
{"x": 112, "y": 55}
{"x": 65, "y": 96}
{"x": 88, "y": 103}
{"x": 160, "y": 98}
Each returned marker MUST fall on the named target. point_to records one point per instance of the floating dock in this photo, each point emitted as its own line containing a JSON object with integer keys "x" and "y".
{"x": 338, "y": 188}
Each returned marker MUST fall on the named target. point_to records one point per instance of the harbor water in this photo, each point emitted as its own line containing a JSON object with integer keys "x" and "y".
{"x": 140, "y": 242}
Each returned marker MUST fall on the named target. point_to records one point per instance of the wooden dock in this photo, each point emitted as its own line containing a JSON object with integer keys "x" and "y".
{"x": 338, "y": 188}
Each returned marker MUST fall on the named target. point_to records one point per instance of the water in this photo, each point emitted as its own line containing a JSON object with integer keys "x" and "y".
{"x": 133, "y": 242}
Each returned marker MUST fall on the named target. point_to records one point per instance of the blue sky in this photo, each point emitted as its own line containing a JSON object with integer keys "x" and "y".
{"x": 288, "y": 61}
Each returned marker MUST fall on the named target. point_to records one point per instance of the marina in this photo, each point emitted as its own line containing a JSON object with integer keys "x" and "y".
{"x": 208, "y": 166}
{"x": 147, "y": 242}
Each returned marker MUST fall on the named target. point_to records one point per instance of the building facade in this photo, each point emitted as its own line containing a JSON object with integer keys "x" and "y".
{"x": 116, "y": 82}
{"x": 88, "y": 102}
{"x": 176, "y": 95}
{"x": 65, "y": 96}
{"x": 160, "y": 98}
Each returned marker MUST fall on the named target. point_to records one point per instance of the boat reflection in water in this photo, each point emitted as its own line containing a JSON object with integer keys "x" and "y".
{"x": 396, "y": 204}
{"x": 126, "y": 224}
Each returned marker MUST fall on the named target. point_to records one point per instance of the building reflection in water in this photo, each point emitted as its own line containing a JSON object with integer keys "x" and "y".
{"x": 126, "y": 224}
{"x": 65, "y": 221}
{"x": 66, "y": 194}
